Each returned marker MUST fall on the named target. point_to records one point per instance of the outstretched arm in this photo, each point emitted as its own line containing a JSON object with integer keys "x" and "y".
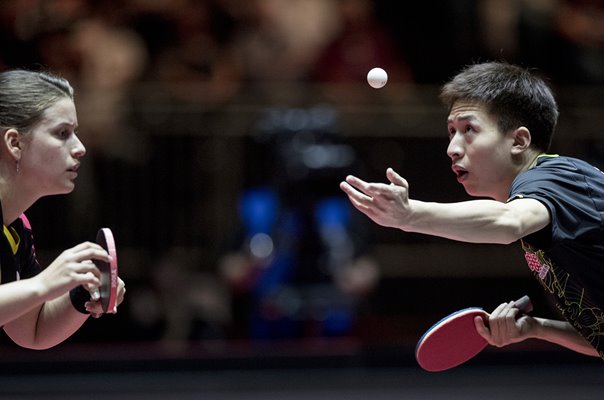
{"x": 476, "y": 221}
{"x": 505, "y": 327}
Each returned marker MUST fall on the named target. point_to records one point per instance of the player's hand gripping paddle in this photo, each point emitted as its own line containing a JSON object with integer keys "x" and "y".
{"x": 109, "y": 280}
{"x": 454, "y": 339}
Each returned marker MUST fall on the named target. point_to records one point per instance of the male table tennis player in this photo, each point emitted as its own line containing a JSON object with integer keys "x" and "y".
{"x": 501, "y": 121}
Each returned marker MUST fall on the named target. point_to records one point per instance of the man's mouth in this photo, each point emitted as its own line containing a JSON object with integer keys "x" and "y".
{"x": 460, "y": 173}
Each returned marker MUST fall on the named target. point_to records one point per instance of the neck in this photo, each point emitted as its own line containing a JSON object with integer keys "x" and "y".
{"x": 524, "y": 162}
{"x": 11, "y": 210}
{"x": 15, "y": 200}
{"x": 530, "y": 160}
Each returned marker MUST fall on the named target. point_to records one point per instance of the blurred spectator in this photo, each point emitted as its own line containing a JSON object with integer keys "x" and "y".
{"x": 113, "y": 58}
{"x": 279, "y": 40}
{"x": 578, "y": 24}
{"x": 360, "y": 44}
{"x": 564, "y": 38}
{"x": 300, "y": 264}
{"x": 178, "y": 303}
{"x": 193, "y": 61}
{"x": 33, "y": 30}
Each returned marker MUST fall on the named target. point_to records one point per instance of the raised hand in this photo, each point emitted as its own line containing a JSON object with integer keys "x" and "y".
{"x": 386, "y": 204}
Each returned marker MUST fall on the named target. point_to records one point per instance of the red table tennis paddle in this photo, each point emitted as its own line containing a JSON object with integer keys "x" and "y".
{"x": 454, "y": 339}
{"x": 109, "y": 277}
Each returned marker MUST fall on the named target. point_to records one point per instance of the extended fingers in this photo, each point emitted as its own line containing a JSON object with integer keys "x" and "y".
{"x": 355, "y": 189}
{"x": 395, "y": 178}
{"x": 365, "y": 192}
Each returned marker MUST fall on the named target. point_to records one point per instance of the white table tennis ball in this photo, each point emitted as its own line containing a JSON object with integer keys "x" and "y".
{"x": 377, "y": 78}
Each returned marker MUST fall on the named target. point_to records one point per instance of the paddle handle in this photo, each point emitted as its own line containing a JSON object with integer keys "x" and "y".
{"x": 524, "y": 304}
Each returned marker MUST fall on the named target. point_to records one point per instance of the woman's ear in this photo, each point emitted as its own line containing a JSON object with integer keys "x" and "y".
{"x": 522, "y": 140}
{"x": 12, "y": 143}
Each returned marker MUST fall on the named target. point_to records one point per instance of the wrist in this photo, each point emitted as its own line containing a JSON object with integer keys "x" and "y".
{"x": 413, "y": 217}
{"x": 540, "y": 328}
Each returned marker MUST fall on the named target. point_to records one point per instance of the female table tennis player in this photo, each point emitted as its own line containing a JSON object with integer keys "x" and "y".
{"x": 39, "y": 155}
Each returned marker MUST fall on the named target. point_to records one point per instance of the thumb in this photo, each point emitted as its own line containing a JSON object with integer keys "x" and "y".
{"x": 395, "y": 178}
{"x": 481, "y": 328}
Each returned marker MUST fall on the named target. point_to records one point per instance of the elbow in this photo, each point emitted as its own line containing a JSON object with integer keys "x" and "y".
{"x": 43, "y": 346}
{"x": 512, "y": 235}
{"x": 511, "y": 230}
{"x": 35, "y": 345}
{"x": 506, "y": 231}
{"x": 508, "y": 240}
{"x": 32, "y": 343}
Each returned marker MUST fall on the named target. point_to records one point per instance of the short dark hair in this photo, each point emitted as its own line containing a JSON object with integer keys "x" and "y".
{"x": 513, "y": 95}
{"x": 24, "y": 95}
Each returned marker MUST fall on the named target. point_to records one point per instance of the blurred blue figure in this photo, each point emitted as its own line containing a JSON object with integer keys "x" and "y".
{"x": 298, "y": 266}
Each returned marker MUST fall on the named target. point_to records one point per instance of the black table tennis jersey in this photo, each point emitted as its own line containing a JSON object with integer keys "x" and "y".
{"x": 17, "y": 253}
{"x": 567, "y": 256}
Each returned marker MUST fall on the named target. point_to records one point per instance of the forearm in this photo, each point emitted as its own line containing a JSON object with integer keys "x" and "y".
{"x": 19, "y": 298}
{"x": 48, "y": 325}
{"x": 31, "y": 319}
{"x": 562, "y": 333}
{"x": 475, "y": 221}
{"x": 58, "y": 320}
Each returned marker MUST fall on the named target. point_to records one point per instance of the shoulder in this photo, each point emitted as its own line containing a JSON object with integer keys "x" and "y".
{"x": 561, "y": 164}
{"x": 25, "y": 221}
{"x": 558, "y": 169}
{"x": 559, "y": 179}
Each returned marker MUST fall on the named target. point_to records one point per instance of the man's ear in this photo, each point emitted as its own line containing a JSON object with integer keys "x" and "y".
{"x": 522, "y": 140}
{"x": 12, "y": 143}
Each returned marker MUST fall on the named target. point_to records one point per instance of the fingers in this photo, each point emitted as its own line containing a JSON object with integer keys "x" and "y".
{"x": 503, "y": 327}
{"x": 481, "y": 328}
{"x": 395, "y": 178}
{"x": 95, "y": 308}
{"x": 95, "y": 294}
{"x": 88, "y": 275}
{"x": 364, "y": 193}
{"x": 357, "y": 183}
{"x": 361, "y": 191}
{"x": 87, "y": 251}
{"x": 79, "y": 259}
{"x": 368, "y": 188}
{"x": 121, "y": 291}
{"x": 353, "y": 188}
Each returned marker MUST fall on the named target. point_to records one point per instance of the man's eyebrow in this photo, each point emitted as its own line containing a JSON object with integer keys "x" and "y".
{"x": 469, "y": 118}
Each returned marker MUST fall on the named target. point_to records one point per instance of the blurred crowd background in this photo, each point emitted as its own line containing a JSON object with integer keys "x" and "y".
{"x": 217, "y": 133}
